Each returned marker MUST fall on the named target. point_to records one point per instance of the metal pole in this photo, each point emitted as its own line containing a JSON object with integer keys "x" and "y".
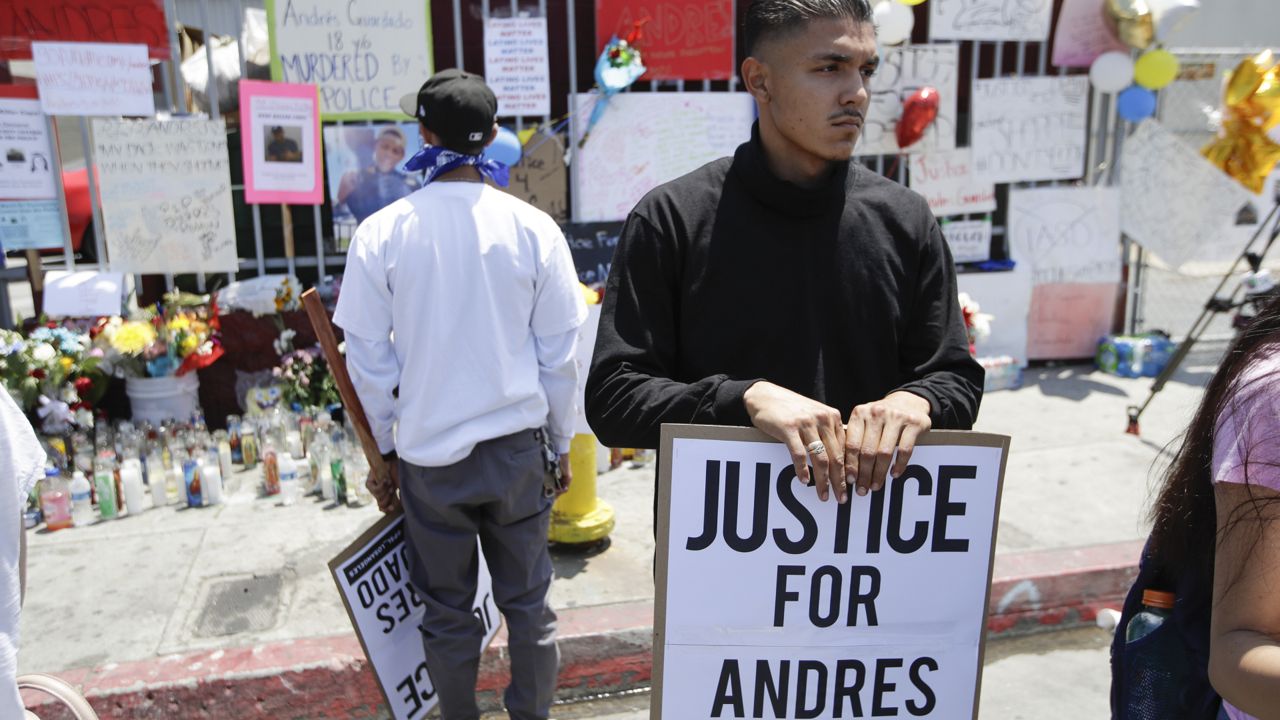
{"x": 457, "y": 34}
{"x": 99, "y": 238}
{"x": 315, "y": 209}
{"x": 60, "y": 195}
{"x": 175, "y": 56}
{"x": 573, "y": 102}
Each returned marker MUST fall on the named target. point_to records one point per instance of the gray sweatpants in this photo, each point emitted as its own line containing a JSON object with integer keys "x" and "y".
{"x": 496, "y": 493}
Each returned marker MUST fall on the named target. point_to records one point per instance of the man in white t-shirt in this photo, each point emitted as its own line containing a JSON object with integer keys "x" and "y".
{"x": 21, "y": 465}
{"x": 461, "y": 310}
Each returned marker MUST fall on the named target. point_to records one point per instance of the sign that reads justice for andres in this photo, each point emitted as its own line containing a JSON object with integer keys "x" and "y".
{"x": 773, "y": 604}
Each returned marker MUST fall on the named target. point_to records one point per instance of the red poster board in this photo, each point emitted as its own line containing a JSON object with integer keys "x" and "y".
{"x": 99, "y": 21}
{"x": 683, "y": 40}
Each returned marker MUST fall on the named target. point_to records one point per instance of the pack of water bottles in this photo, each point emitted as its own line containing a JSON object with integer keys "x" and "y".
{"x": 1134, "y": 356}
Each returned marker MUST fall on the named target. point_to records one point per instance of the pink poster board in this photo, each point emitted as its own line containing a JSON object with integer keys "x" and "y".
{"x": 280, "y": 143}
{"x": 1082, "y": 34}
{"x": 1068, "y": 319}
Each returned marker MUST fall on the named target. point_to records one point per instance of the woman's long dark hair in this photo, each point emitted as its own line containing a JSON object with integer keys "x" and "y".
{"x": 1184, "y": 521}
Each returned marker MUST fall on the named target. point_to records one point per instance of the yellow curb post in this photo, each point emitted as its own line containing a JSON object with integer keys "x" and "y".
{"x": 579, "y": 517}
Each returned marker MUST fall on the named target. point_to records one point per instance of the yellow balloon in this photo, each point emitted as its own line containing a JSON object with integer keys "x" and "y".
{"x": 1131, "y": 21}
{"x": 1155, "y": 69}
{"x": 911, "y": 2}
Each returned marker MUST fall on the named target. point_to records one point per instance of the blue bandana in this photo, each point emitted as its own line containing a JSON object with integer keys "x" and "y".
{"x": 435, "y": 161}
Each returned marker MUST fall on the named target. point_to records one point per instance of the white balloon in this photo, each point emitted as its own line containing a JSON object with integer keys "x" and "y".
{"x": 1111, "y": 72}
{"x": 1169, "y": 14}
{"x": 894, "y": 22}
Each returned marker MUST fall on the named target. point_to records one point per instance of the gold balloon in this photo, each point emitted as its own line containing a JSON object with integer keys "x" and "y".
{"x": 1252, "y": 106}
{"x": 1131, "y": 21}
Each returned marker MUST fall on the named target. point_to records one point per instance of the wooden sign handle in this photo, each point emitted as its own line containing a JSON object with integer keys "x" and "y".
{"x": 286, "y": 218}
{"x": 338, "y": 367}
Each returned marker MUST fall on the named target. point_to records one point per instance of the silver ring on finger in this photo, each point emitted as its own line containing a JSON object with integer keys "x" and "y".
{"x": 816, "y": 448}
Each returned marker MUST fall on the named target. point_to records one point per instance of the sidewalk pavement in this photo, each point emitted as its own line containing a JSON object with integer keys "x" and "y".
{"x": 231, "y": 611}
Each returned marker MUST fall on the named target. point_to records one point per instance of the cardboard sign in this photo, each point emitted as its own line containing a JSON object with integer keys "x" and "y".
{"x": 93, "y": 79}
{"x": 83, "y": 294}
{"x": 90, "y": 21}
{"x": 990, "y": 19}
{"x": 684, "y": 40}
{"x": 26, "y": 156}
{"x": 1082, "y": 34}
{"x": 166, "y": 195}
{"x": 516, "y": 66}
{"x": 1177, "y": 204}
{"x": 646, "y": 139}
{"x": 945, "y": 179}
{"x": 364, "y": 56}
{"x": 280, "y": 143}
{"x": 592, "y": 246}
{"x": 969, "y": 240}
{"x": 30, "y": 225}
{"x": 1030, "y": 128}
{"x": 903, "y": 71}
{"x": 541, "y": 177}
{"x": 372, "y": 574}
{"x": 820, "y": 609}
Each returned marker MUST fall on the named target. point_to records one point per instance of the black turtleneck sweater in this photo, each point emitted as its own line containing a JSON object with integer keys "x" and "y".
{"x": 730, "y": 275}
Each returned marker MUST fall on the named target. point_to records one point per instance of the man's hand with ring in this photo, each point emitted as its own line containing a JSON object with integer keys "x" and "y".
{"x": 875, "y": 431}
{"x": 812, "y": 432}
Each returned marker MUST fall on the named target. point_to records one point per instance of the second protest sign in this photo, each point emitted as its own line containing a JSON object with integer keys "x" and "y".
{"x": 773, "y": 604}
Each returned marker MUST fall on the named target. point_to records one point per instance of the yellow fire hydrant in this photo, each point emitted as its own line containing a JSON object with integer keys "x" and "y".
{"x": 578, "y": 516}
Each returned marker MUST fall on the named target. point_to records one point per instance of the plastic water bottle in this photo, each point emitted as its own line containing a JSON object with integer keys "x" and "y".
{"x": 1155, "y": 662}
{"x": 81, "y": 500}
{"x": 288, "y": 478}
{"x": 104, "y": 483}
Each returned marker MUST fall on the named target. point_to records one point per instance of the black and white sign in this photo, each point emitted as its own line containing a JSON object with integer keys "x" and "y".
{"x": 373, "y": 578}
{"x": 773, "y": 604}
{"x": 592, "y": 245}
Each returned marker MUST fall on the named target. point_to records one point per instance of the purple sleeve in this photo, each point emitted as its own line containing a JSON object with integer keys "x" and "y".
{"x": 1246, "y": 445}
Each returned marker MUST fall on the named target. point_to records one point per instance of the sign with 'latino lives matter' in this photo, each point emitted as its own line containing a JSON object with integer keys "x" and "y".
{"x": 773, "y": 604}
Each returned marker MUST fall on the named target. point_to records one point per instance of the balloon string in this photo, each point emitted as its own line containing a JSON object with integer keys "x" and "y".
{"x": 561, "y": 122}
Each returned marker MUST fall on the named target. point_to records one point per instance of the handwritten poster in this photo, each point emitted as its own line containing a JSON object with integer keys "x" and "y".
{"x": 688, "y": 40}
{"x": 541, "y": 177}
{"x": 969, "y": 240}
{"x": 26, "y": 157}
{"x": 83, "y": 293}
{"x": 1069, "y": 238}
{"x": 1066, "y": 234}
{"x": 364, "y": 56}
{"x": 280, "y": 143}
{"x": 30, "y": 225}
{"x": 93, "y": 79}
{"x": 166, "y": 195}
{"x": 1082, "y": 34}
{"x": 516, "y": 67}
{"x": 91, "y": 21}
{"x": 1030, "y": 128}
{"x": 990, "y": 19}
{"x": 945, "y": 179}
{"x": 1177, "y": 204}
{"x": 646, "y": 139}
{"x": 592, "y": 246}
{"x": 904, "y": 70}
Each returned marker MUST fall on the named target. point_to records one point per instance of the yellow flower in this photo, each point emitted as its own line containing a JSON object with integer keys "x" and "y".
{"x": 179, "y": 322}
{"x": 188, "y": 344}
{"x": 65, "y": 362}
{"x": 132, "y": 337}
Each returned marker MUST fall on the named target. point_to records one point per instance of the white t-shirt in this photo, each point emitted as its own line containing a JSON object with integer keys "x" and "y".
{"x": 21, "y": 465}
{"x": 470, "y": 278}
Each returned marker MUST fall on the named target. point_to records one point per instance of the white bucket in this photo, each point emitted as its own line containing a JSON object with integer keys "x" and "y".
{"x": 155, "y": 400}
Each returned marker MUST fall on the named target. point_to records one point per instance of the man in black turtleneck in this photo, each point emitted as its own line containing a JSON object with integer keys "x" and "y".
{"x": 787, "y": 287}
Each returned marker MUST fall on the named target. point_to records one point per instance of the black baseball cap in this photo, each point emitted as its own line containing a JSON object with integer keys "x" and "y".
{"x": 456, "y": 105}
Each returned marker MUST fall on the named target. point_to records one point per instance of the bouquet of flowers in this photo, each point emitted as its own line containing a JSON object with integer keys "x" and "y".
{"x": 977, "y": 324}
{"x": 174, "y": 337}
{"x": 53, "y": 375}
{"x": 305, "y": 379}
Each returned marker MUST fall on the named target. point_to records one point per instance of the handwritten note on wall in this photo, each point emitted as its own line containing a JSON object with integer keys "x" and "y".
{"x": 1082, "y": 34}
{"x": 166, "y": 195}
{"x": 1177, "y": 204}
{"x": 684, "y": 40}
{"x": 541, "y": 177}
{"x": 363, "y": 55}
{"x": 903, "y": 71}
{"x": 969, "y": 240}
{"x": 946, "y": 180}
{"x": 1066, "y": 234}
{"x": 516, "y": 66}
{"x": 646, "y": 139}
{"x": 93, "y": 79}
{"x": 1029, "y": 128}
{"x": 990, "y": 19}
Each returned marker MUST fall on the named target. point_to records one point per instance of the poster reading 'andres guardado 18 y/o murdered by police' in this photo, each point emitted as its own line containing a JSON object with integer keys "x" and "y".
{"x": 364, "y": 55}
{"x": 773, "y": 604}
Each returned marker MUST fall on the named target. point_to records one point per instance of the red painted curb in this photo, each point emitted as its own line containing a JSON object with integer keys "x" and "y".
{"x": 603, "y": 648}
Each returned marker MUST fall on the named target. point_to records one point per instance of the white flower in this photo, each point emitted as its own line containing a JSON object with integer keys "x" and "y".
{"x": 44, "y": 352}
